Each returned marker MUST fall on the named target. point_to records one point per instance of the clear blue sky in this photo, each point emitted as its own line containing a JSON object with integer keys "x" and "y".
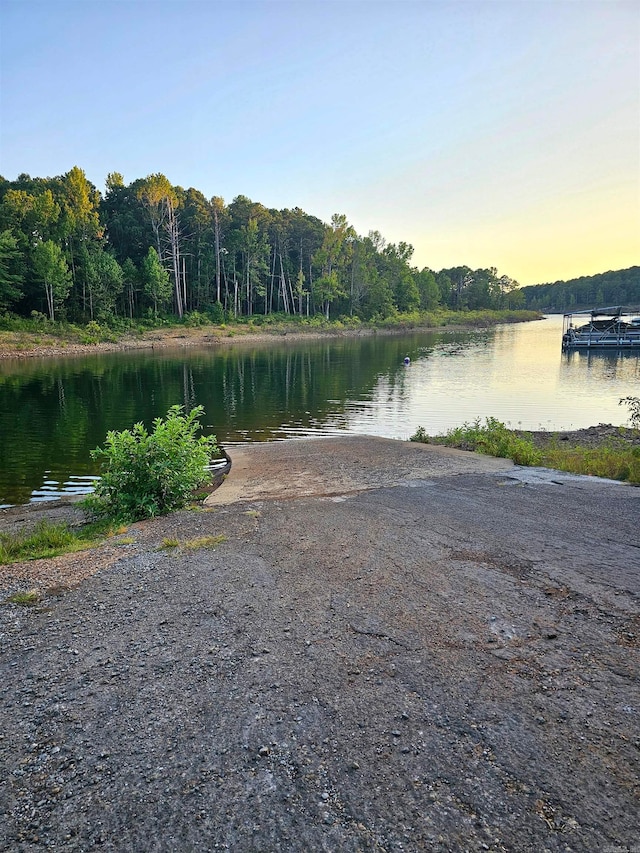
{"x": 485, "y": 133}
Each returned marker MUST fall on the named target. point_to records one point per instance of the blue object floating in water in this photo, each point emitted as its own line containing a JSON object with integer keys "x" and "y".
{"x": 407, "y": 360}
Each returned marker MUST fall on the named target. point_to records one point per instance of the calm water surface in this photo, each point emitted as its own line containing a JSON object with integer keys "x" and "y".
{"x": 54, "y": 411}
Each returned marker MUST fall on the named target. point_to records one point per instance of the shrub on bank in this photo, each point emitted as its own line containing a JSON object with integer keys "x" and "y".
{"x": 492, "y": 438}
{"x": 612, "y": 460}
{"x": 147, "y": 474}
{"x": 633, "y": 404}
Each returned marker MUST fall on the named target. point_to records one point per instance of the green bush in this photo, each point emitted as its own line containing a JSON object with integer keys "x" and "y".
{"x": 91, "y": 334}
{"x": 147, "y": 474}
{"x": 216, "y": 313}
{"x": 195, "y": 318}
{"x": 492, "y": 438}
{"x": 613, "y": 460}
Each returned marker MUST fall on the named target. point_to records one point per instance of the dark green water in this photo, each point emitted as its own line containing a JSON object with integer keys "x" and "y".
{"x": 53, "y": 412}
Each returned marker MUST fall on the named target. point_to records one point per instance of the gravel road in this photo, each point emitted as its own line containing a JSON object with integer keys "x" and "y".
{"x": 396, "y": 647}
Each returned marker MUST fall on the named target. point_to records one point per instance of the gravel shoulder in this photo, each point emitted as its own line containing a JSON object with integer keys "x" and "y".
{"x": 396, "y": 647}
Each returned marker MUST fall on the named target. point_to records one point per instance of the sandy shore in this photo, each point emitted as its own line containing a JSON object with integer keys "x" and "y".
{"x": 28, "y": 345}
{"x": 396, "y": 647}
{"x": 16, "y": 345}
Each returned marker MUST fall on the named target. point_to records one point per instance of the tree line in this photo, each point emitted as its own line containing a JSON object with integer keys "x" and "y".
{"x": 149, "y": 249}
{"x": 619, "y": 287}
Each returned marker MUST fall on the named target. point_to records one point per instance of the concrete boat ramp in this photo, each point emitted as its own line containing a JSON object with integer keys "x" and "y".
{"x": 359, "y": 645}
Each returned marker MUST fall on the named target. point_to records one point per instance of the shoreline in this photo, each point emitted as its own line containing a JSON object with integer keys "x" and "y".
{"x": 21, "y": 345}
{"x": 592, "y": 437}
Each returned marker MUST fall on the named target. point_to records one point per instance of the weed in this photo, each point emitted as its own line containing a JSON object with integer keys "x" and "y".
{"x": 614, "y": 463}
{"x": 193, "y": 544}
{"x": 203, "y": 542}
{"x": 27, "y": 599}
{"x": 49, "y": 540}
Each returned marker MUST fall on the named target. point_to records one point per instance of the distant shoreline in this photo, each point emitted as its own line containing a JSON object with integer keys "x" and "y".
{"x": 20, "y": 345}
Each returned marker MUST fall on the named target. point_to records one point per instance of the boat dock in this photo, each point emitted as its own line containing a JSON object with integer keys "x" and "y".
{"x": 605, "y": 329}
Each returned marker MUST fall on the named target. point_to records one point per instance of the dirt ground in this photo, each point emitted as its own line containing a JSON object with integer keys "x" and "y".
{"x": 21, "y": 345}
{"x": 397, "y": 647}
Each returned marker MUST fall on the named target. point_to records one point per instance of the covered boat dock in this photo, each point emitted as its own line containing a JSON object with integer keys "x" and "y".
{"x": 606, "y": 329}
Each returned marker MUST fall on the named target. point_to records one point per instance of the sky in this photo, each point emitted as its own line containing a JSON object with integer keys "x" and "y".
{"x": 486, "y": 133}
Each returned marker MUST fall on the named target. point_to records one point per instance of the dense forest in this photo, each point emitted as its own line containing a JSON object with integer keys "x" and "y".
{"x": 621, "y": 287}
{"x": 151, "y": 250}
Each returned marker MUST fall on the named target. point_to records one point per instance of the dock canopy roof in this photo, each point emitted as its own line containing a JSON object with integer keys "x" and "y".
{"x": 615, "y": 311}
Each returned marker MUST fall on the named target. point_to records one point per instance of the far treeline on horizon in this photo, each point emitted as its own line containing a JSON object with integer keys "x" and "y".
{"x": 149, "y": 250}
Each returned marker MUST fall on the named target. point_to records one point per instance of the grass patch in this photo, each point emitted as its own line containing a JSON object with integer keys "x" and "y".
{"x": 27, "y": 598}
{"x": 610, "y": 461}
{"x": 49, "y": 540}
{"x": 193, "y": 544}
{"x": 615, "y": 460}
{"x": 203, "y": 542}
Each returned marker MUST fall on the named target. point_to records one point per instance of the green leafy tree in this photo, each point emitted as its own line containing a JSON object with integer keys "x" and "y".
{"x": 130, "y": 281}
{"x": 428, "y": 289}
{"x": 334, "y": 258}
{"x": 616, "y": 287}
{"x": 80, "y": 229}
{"x": 105, "y": 281}
{"x": 127, "y": 225}
{"x": 256, "y": 252}
{"x": 155, "y": 281}
{"x": 326, "y": 290}
{"x": 454, "y": 283}
{"x": 511, "y": 293}
{"x": 145, "y": 473}
{"x": 220, "y": 217}
{"x": 160, "y": 199}
{"x": 481, "y": 290}
{"x": 197, "y": 222}
{"x": 33, "y": 217}
{"x": 372, "y": 294}
{"x": 80, "y": 201}
{"x": 378, "y": 300}
{"x": 11, "y": 277}
{"x": 395, "y": 268}
{"x": 51, "y": 269}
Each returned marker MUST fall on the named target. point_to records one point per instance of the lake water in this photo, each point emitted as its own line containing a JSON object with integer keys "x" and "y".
{"x": 53, "y": 412}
